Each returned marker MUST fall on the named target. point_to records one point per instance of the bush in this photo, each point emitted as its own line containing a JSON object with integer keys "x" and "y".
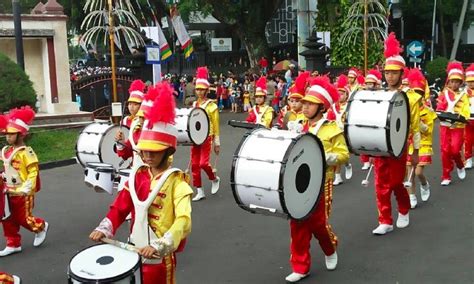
{"x": 16, "y": 89}
{"x": 437, "y": 69}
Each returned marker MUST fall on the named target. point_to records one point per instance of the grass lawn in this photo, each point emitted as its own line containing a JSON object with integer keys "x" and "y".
{"x": 51, "y": 144}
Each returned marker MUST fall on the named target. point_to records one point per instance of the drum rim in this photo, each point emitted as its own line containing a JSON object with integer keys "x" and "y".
{"x": 132, "y": 271}
{"x": 188, "y": 125}
{"x": 387, "y": 125}
{"x": 283, "y": 167}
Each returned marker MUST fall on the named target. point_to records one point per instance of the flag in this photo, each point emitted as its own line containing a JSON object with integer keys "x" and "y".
{"x": 165, "y": 50}
{"x": 181, "y": 33}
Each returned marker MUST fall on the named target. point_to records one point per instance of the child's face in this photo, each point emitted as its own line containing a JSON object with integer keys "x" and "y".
{"x": 392, "y": 77}
{"x": 470, "y": 85}
{"x": 133, "y": 107}
{"x": 12, "y": 138}
{"x": 296, "y": 104}
{"x": 153, "y": 158}
{"x": 369, "y": 85}
{"x": 351, "y": 80}
{"x": 259, "y": 100}
{"x": 310, "y": 109}
{"x": 201, "y": 93}
{"x": 454, "y": 84}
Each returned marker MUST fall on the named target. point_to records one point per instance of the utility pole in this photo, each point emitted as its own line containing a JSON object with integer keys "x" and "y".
{"x": 458, "y": 32}
{"x": 20, "y": 58}
{"x": 112, "y": 51}
{"x": 433, "y": 31}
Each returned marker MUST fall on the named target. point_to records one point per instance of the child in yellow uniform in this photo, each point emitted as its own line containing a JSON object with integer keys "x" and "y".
{"x": 21, "y": 181}
{"x": 294, "y": 118}
{"x": 261, "y": 113}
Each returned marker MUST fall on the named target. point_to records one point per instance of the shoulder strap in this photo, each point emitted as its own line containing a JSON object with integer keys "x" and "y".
{"x": 7, "y": 161}
{"x": 318, "y": 126}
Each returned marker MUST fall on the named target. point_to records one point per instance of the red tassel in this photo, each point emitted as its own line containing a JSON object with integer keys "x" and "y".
{"x": 301, "y": 82}
{"x": 137, "y": 85}
{"x": 163, "y": 109}
{"x": 25, "y": 113}
{"x": 361, "y": 80}
{"x": 392, "y": 46}
{"x": 3, "y": 122}
{"x": 152, "y": 94}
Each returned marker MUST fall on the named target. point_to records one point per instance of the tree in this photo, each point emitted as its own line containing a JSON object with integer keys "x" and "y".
{"x": 246, "y": 18}
{"x": 16, "y": 89}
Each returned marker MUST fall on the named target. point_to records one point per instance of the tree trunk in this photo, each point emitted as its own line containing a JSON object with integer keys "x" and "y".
{"x": 443, "y": 33}
{"x": 255, "y": 43}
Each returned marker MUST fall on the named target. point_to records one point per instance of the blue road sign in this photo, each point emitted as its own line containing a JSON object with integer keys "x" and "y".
{"x": 415, "y": 48}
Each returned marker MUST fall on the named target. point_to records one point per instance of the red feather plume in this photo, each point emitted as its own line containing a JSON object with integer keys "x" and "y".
{"x": 163, "y": 109}
{"x": 454, "y": 65}
{"x": 342, "y": 81}
{"x": 325, "y": 82}
{"x": 152, "y": 94}
{"x": 415, "y": 75}
{"x": 3, "y": 122}
{"x": 137, "y": 85}
{"x": 262, "y": 83}
{"x": 25, "y": 114}
{"x": 202, "y": 73}
{"x": 392, "y": 46}
{"x": 361, "y": 80}
{"x": 375, "y": 73}
{"x": 406, "y": 71}
{"x": 301, "y": 82}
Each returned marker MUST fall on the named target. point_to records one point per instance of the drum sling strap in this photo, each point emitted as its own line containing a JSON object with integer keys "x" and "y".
{"x": 142, "y": 235}
{"x": 451, "y": 104}
{"x": 318, "y": 126}
{"x": 259, "y": 116}
{"x": 12, "y": 177}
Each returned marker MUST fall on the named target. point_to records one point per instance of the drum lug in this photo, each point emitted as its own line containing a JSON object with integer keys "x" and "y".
{"x": 97, "y": 176}
{"x": 86, "y": 171}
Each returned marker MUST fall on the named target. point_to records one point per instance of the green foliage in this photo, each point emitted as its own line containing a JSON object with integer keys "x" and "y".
{"x": 437, "y": 69}
{"x": 16, "y": 89}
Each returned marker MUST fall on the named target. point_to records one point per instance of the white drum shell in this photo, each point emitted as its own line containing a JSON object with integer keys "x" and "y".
{"x": 90, "y": 173}
{"x": 265, "y": 170}
{"x": 193, "y": 125}
{"x": 123, "y": 174}
{"x": 377, "y": 123}
{"x": 104, "y": 179}
{"x": 96, "y": 145}
{"x": 125, "y": 267}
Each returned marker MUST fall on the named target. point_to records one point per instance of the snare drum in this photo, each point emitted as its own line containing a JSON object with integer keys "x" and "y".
{"x": 90, "y": 172}
{"x": 123, "y": 174}
{"x": 193, "y": 125}
{"x": 104, "y": 179}
{"x": 377, "y": 123}
{"x": 105, "y": 264}
{"x": 277, "y": 172}
{"x": 96, "y": 145}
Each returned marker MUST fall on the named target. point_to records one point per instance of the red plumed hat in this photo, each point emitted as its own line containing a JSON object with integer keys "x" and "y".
{"x": 455, "y": 71}
{"x": 148, "y": 100}
{"x": 353, "y": 73}
{"x": 298, "y": 90}
{"x": 373, "y": 76}
{"x": 393, "y": 59}
{"x": 416, "y": 80}
{"x": 406, "y": 70}
{"x": 20, "y": 119}
{"x": 261, "y": 86}
{"x": 159, "y": 132}
{"x": 361, "y": 80}
{"x": 136, "y": 90}
{"x": 342, "y": 83}
{"x": 470, "y": 73}
{"x": 322, "y": 92}
{"x": 202, "y": 75}
{"x": 3, "y": 122}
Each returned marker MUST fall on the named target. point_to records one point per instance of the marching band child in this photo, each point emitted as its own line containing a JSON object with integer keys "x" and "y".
{"x": 469, "y": 132}
{"x": 21, "y": 180}
{"x": 417, "y": 83}
{"x": 452, "y": 100}
{"x": 318, "y": 99}
{"x": 336, "y": 113}
{"x": 6, "y": 278}
{"x": 294, "y": 118}
{"x": 157, "y": 196}
{"x": 123, "y": 145}
{"x": 390, "y": 171}
{"x": 261, "y": 113}
{"x": 353, "y": 82}
{"x": 201, "y": 154}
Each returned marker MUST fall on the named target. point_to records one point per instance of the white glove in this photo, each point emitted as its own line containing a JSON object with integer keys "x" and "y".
{"x": 26, "y": 187}
{"x": 217, "y": 141}
{"x": 164, "y": 245}
{"x": 295, "y": 126}
{"x": 331, "y": 159}
{"x": 423, "y": 127}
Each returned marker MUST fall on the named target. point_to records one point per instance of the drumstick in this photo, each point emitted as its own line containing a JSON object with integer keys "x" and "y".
{"x": 124, "y": 246}
{"x": 187, "y": 168}
{"x": 365, "y": 182}
{"x": 408, "y": 183}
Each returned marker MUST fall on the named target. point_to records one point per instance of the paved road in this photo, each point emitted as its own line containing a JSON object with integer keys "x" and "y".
{"x": 230, "y": 245}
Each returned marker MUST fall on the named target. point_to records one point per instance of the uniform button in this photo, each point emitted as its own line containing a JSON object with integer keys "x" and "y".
{"x": 163, "y": 195}
{"x": 157, "y": 217}
{"x": 159, "y": 206}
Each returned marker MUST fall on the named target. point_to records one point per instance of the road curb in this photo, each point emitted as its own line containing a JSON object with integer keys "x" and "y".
{"x": 57, "y": 164}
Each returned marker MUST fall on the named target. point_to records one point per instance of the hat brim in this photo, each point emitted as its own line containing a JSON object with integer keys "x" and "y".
{"x": 312, "y": 99}
{"x": 134, "y": 100}
{"x": 392, "y": 67}
{"x": 201, "y": 87}
{"x": 151, "y": 145}
{"x": 456, "y": 77}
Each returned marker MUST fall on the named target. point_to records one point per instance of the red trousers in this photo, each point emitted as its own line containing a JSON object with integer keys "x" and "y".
{"x": 389, "y": 177}
{"x": 469, "y": 133}
{"x": 6, "y": 278}
{"x": 21, "y": 215}
{"x": 451, "y": 141}
{"x": 200, "y": 156}
{"x": 316, "y": 225}
{"x": 163, "y": 273}
{"x": 364, "y": 158}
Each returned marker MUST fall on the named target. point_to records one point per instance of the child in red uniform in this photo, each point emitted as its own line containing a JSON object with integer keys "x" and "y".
{"x": 21, "y": 181}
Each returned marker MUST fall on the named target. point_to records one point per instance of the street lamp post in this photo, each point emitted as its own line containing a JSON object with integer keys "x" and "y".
{"x": 112, "y": 52}
{"x": 20, "y": 59}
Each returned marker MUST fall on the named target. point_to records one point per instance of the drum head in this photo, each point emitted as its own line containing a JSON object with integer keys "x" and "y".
{"x": 303, "y": 176}
{"x": 198, "y": 126}
{"x": 106, "y": 150}
{"x": 104, "y": 263}
{"x": 399, "y": 119}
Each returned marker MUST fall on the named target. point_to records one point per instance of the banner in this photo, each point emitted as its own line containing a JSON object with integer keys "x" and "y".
{"x": 165, "y": 50}
{"x": 181, "y": 33}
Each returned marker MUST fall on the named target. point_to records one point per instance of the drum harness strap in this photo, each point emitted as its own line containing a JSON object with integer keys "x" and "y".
{"x": 142, "y": 235}
{"x": 259, "y": 116}
{"x": 11, "y": 176}
{"x": 451, "y": 105}
{"x": 203, "y": 106}
{"x": 318, "y": 126}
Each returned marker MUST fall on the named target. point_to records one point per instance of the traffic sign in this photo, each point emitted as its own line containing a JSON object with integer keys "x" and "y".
{"x": 415, "y": 59}
{"x": 415, "y": 48}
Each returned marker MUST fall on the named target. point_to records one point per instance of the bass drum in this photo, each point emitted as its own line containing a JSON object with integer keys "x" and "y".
{"x": 377, "y": 123}
{"x": 105, "y": 264}
{"x": 193, "y": 125}
{"x": 96, "y": 145}
{"x": 289, "y": 183}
